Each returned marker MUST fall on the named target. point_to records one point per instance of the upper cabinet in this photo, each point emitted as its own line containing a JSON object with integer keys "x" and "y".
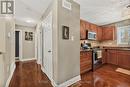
{"x": 87, "y": 25}
{"x": 99, "y": 33}
{"x": 93, "y": 28}
{"x": 108, "y": 33}
{"x": 83, "y": 30}
{"x": 102, "y": 33}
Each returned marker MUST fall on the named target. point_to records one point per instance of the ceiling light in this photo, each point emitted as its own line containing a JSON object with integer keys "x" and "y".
{"x": 29, "y": 21}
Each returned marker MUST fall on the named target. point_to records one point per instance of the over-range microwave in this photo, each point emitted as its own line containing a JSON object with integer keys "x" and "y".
{"x": 91, "y": 35}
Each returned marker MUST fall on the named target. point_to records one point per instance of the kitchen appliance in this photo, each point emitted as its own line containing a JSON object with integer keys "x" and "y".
{"x": 85, "y": 45}
{"x": 97, "y": 58}
{"x": 91, "y": 35}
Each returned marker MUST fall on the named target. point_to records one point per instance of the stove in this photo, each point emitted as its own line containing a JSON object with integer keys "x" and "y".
{"x": 97, "y": 58}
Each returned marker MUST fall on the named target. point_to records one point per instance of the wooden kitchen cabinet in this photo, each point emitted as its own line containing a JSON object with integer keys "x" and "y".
{"x": 85, "y": 61}
{"x": 123, "y": 59}
{"x": 83, "y": 30}
{"x": 112, "y": 57}
{"x": 104, "y": 56}
{"x": 117, "y": 57}
{"x": 103, "y": 33}
{"x": 87, "y": 25}
{"x": 99, "y": 33}
{"x": 108, "y": 33}
{"x": 93, "y": 28}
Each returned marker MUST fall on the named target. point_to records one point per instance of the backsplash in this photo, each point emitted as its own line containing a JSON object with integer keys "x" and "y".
{"x": 104, "y": 43}
{"x": 110, "y": 43}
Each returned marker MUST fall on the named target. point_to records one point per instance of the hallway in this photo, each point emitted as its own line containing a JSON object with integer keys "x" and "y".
{"x": 29, "y": 74}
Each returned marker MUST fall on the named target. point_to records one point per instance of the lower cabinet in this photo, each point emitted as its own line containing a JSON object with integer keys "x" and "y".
{"x": 104, "y": 56}
{"x": 85, "y": 61}
{"x": 123, "y": 59}
{"x": 117, "y": 57}
{"x": 112, "y": 57}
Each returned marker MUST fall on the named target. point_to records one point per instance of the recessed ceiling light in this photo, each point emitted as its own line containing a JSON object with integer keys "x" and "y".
{"x": 29, "y": 21}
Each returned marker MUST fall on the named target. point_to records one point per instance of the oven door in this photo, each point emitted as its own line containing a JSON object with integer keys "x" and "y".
{"x": 95, "y": 57}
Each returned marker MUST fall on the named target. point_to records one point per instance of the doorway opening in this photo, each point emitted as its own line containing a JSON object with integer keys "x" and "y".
{"x": 18, "y": 45}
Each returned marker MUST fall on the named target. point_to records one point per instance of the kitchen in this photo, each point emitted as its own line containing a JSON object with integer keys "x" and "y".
{"x": 105, "y": 45}
{"x": 89, "y": 44}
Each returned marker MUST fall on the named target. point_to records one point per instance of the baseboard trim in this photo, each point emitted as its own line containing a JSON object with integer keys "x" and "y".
{"x": 38, "y": 61}
{"x": 13, "y": 66}
{"x": 43, "y": 70}
{"x": 69, "y": 82}
{"x": 65, "y": 84}
{"x": 52, "y": 81}
{"x": 28, "y": 59}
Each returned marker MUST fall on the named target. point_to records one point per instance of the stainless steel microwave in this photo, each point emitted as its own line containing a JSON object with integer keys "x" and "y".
{"x": 91, "y": 35}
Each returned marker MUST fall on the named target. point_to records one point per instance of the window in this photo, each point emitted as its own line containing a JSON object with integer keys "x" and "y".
{"x": 123, "y": 35}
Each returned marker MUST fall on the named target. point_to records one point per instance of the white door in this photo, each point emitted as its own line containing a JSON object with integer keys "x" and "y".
{"x": 47, "y": 47}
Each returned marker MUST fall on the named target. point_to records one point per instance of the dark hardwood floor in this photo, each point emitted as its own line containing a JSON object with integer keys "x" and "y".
{"x": 29, "y": 74}
{"x": 105, "y": 76}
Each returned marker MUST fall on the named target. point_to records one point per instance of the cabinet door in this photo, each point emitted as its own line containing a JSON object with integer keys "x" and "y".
{"x": 112, "y": 57}
{"x": 108, "y": 33}
{"x": 99, "y": 33}
{"x": 93, "y": 28}
{"x": 82, "y": 30}
{"x": 85, "y": 61}
{"x": 87, "y": 26}
{"x": 104, "y": 56}
{"x": 124, "y": 59}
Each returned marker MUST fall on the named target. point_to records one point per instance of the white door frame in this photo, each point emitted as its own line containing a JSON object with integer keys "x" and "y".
{"x": 20, "y": 44}
{"x": 38, "y": 47}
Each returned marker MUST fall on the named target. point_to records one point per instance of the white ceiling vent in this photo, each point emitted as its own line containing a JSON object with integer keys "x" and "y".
{"x": 66, "y": 4}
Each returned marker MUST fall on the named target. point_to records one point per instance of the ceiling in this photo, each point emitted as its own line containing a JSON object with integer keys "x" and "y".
{"x": 102, "y": 12}
{"x": 29, "y": 12}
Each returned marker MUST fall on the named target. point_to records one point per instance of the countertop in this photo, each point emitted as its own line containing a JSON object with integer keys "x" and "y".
{"x": 108, "y": 48}
{"x": 117, "y": 48}
{"x": 88, "y": 50}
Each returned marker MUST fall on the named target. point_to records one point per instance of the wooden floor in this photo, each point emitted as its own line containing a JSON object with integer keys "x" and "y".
{"x": 105, "y": 76}
{"x": 29, "y": 74}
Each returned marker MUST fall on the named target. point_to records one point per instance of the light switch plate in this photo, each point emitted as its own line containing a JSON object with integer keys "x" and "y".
{"x": 72, "y": 38}
{"x": 9, "y": 35}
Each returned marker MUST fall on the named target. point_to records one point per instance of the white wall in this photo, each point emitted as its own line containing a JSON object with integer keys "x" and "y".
{"x": 7, "y": 61}
{"x": 68, "y": 50}
{"x": 2, "y": 75}
{"x": 66, "y": 53}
